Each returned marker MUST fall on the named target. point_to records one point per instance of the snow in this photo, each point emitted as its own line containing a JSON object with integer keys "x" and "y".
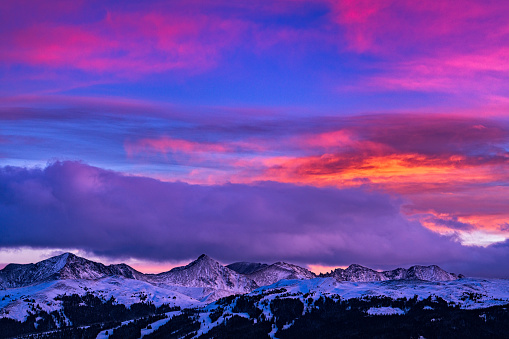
{"x": 385, "y": 311}
{"x": 272, "y": 334}
{"x": 125, "y": 291}
{"x": 360, "y": 273}
{"x": 287, "y": 326}
{"x": 105, "y": 334}
{"x": 278, "y": 271}
{"x": 156, "y": 324}
{"x": 206, "y": 280}
{"x": 489, "y": 292}
{"x": 206, "y": 323}
{"x": 468, "y": 292}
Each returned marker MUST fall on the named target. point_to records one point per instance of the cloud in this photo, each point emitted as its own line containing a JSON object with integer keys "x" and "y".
{"x": 171, "y": 145}
{"x": 418, "y": 47}
{"x": 452, "y": 167}
{"x": 121, "y": 43}
{"x": 406, "y": 153}
{"x": 134, "y": 41}
{"x": 404, "y": 25}
{"x": 427, "y": 46}
{"x": 73, "y": 205}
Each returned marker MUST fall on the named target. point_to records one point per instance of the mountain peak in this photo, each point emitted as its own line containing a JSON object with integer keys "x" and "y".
{"x": 202, "y": 260}
{"x": 360, "y": 273}
{"x": 69, "y": 258}
{"x": 430, "y": 273}
{"x": 357, "y": 267}
{"x": 270, "y": 274}
{"x": 204, "y": 257}
{"x": 209, "y": 273}
{"x": 63, "y": 266}
{"x": 66, "y": 255}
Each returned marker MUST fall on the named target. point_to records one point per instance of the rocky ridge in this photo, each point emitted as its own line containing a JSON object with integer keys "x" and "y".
{"x": 358, "y": 273}
{"x": 64, "y": 266}
{"x": 205, "y": 272}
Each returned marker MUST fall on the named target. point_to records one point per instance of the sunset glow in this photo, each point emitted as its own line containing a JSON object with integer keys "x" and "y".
{"x": 341, "y": 130}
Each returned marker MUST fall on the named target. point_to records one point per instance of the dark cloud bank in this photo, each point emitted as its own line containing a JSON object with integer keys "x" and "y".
{"x": 73, "y": 205}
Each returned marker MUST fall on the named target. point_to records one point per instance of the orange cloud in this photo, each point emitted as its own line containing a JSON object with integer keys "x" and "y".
{"x": 394, "y": 170}
{"x": 449, "y": 170}
{"x": 452, "y": 190}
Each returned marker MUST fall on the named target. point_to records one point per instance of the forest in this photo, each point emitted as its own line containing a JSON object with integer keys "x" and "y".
{"x": 244, "y": 316}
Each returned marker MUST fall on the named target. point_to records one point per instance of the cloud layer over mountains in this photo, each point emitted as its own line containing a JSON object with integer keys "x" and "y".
{"x": 74, "y": 205}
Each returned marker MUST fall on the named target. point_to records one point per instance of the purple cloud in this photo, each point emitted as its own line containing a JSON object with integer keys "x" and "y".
{"x": 73, "y": 205}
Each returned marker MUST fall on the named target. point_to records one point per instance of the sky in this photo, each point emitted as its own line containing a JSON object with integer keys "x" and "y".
{"x": 323, "y": 133}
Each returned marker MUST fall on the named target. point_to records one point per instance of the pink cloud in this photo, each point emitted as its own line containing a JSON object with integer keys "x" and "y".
{"x": 124, "y": 43}
{"x": 423, "y": 45}
{"x": 170, "y": 145}
{"x": 428, "y": 46}
{"x": 152, "y": 38}
{"x": 389, "y": 26}
{"x": 195, "y": 154}
{"x": 484, "y": 72}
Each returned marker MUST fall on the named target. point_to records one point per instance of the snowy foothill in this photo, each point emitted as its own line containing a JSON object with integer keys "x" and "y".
{"x": 15, "y": 303}
{"x": 469, "y": 293}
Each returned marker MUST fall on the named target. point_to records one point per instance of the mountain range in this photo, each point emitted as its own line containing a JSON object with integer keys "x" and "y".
{"x": 68, "y": 291}
{"x": 204, "y": 272}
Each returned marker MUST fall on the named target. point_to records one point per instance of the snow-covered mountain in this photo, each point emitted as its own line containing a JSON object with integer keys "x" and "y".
{"x": 430, "y": 273}
{"x": 264, "y": 274}
{"x": 24, "y": 289}
{"x": 273, "y": 273}
{"x": 274, "y": 298}
{"x": 203, "y": 279}
{"x": 64, "y": 266}
{"x": 276, "y": 305}
{"x": 205, "y": 272}
{"x": 358, "y": 273}
{"x": 243, "y": 267}
{"x": 289, "y": 303}
{"x": 469, "y": 293}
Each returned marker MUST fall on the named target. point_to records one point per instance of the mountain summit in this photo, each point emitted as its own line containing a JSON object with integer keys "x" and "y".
{"x": 358, "y": 273}
{"x": 64, "y": 266}
{"x": 206, "y": 272}
{"x": 280, "y": 270}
